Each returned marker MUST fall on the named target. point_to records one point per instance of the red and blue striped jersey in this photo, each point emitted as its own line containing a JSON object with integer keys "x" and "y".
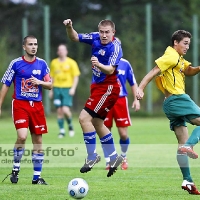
{"x": 109, "y": 54}
{"x": 19, "y": 72}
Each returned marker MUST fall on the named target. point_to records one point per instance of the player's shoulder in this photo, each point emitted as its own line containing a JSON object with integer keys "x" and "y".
{"x": 19, "y": 59}
{"x": 41, "y": 60}
{"x": 124, "y": 60}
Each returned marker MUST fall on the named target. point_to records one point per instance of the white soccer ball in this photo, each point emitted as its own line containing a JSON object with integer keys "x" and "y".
{"x": 78, "y": 188}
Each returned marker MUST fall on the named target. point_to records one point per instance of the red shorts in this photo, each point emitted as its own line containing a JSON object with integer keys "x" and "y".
{"x": 29, "y": 114}
{"x": 102, "y": 99}
{"x": 119, "y": 113}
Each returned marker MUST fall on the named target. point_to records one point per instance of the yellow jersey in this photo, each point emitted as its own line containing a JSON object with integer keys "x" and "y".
{"x": 172, "y": 66}
{"x": 63, "y": 73}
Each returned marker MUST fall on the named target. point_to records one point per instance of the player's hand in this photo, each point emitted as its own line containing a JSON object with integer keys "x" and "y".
{"x": 139, "y": 94}
{"x": 72, "y": 91}
{"x": 35, "y": 81}
{"x": 94, "y": 61}
{"x": 68, "y": 23}
{"x": 136, "y": 105}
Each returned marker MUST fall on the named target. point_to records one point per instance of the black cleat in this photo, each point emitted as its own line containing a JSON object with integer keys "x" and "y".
{"x": 39, "y": 181}
{"x": 114, "y": 164}
{"x": 89, "y": 164}
{"x": 14, "y": 177}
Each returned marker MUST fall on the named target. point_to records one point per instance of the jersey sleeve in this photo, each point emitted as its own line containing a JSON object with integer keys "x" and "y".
{"x": 167, "y": 61}
{"x": 116, "y": 54}
{"x": 186, "y": 64}
{"x": 88, "y": 38}
{"x": 9, "y": 75}
{"x": 46, "y": 70}
{"x": 130, "y": 75}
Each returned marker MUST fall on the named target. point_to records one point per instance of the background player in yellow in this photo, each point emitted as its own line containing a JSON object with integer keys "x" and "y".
{"x": 178, "y": 106}
{"x": 65, "y": 75}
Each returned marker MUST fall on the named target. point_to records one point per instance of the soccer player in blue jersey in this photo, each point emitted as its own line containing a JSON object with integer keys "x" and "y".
{"x": 29, "y": 74}
{"x": 105, "y": 56}
{"x": 120, "y": 111}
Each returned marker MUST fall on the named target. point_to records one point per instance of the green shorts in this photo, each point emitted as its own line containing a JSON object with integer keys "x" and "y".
{"x": 62, "y": 97}
{"x": 180, "y": 109}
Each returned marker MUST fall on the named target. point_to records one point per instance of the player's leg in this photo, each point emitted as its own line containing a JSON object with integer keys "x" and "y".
{"x": 124, "y": 143}
{"x": 37, "y": 126}
{"x": 108, "y": 146}
{"x": 192, "y": 116}
{"x": 89, "y": 134}
{"x": 182, "y": 158}
{"x": 192, "y": 140}
{"x": 67, "y": 102}
{"x": 37, "y": 159}
{"x": 21, "y": 120}
{"x": 68, "y": 116}
{"x": 123, "y": 120}
{"x": 60, "y": 121}
{"x": 57, "y": 101}
{"x": 108, "y": 122}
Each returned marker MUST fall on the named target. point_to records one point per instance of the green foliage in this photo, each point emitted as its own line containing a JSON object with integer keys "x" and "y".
{"x": 129, "y": 17}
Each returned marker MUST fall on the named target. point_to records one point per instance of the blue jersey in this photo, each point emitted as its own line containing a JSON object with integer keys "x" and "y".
{"x": 19, "y": 72}
{"x": 108, "y": 54}
{"x": 125, "y": 73}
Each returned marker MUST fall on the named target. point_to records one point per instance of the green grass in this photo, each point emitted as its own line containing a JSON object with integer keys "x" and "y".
{"x": 153, "y": 172}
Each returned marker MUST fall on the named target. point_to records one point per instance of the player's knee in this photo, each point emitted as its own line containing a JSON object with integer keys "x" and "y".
{"x": 21, "y": 139}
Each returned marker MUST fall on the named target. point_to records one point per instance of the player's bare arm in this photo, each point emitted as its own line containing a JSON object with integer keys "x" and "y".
{"x": 72, "y": 34}
{"x": 3, "y": 93}
{"x": 136, "y": 102}
{"x": 74, "y": 86}
{"x": 46, "y": 84}
{"x": 145, "y": 81}
{"x": 191, "y": 71}
{"x": 107, "y": 69}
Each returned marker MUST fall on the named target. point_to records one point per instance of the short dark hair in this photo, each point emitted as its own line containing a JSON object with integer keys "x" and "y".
{"x": 28, "y": 36}
{"x": 179, "y": 35}
{"x": 107, "y": 22}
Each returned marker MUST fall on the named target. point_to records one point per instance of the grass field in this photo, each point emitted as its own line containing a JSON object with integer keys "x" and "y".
{"x": 153, "y": 172}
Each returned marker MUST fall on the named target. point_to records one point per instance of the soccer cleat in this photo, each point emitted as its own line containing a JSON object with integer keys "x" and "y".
{"x": 61, "y": 135}
{"x": 114, "y": 164}
{"x": 14, "y": 177}
{"x": 190, "y": 187}
{"x": 189, "y": 151}
{"x": 124, "y": 165}
{"x": 89, "y": 164}
{"x": 71, "y": 133}
{"x": 39, "y": 181}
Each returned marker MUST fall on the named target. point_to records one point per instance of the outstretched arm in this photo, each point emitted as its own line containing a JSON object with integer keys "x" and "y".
{"x": 191, "y": 71}
{"x": 72, "y": 34}
{"x": 145, "y": 81}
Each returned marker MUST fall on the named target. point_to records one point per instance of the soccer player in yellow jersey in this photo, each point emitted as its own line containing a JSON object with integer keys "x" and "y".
{"x": 178, "y": 106}
{"x": 65, "y": 74}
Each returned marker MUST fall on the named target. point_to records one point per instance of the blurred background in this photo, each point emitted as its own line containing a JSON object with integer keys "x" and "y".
{"x": 144, "y": 27}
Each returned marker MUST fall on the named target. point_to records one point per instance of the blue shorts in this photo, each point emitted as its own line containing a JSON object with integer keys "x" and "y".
{"x": 62, "y": 97}
{"x": 180, "y": 109}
